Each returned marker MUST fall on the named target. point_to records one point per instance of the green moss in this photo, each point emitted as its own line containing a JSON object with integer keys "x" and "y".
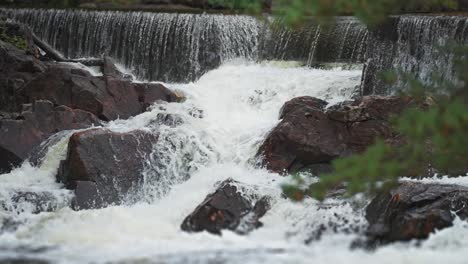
{"x": 16, "y": 41}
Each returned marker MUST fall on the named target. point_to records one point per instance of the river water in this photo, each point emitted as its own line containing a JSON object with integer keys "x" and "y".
{"x": 239, "y": 104}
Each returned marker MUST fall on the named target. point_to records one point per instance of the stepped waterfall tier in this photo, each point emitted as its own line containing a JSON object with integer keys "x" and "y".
{"x": 416, "y": 45}
{"x": 177, "y": 143}
{"x": 181, "y": 47}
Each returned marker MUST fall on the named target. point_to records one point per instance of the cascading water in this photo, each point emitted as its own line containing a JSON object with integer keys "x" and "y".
{"x": 238, "y": 104}
{"x": 416, "y": 45}
{"x": 174, "y": 47}
{"x": 342, "y": 41}
{"x": 182, "y": 47}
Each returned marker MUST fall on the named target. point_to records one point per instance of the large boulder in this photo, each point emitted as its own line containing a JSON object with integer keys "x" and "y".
{"x": 227, "y": 208}
{"x": 38, "y": 121}
{"x": 310, "y": 135}
{"x": 104, "y": 167}
{"x": 107, "y": 97}
{"x": 19, "y": 36}
{"x": 17, "y": 68}
{"x": 415, "y": 210}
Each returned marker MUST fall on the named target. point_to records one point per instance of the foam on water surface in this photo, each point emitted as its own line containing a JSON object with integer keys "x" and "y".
{"x": 239, "y": 104}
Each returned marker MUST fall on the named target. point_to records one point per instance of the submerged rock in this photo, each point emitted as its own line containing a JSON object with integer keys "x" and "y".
{"x": 105, "y": 167}
{"x": 308, "y": 135}
{"x": 415, "y": 210}
{"x": 38, "y": 121}
{"x": 227, "y": 208}
{"x": 33, "y": 202}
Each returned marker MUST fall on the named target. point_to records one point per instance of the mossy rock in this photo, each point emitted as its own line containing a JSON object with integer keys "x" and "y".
{"x": 18, "y": 36}
{"x": 15, "y": 40}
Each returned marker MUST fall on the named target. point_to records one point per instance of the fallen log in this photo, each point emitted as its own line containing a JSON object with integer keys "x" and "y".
{"x": 56, "y": 56}
{"x": 51, "y": 52}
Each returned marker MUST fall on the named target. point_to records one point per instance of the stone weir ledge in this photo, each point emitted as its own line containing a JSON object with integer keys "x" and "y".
{"x": 41, "y": 95}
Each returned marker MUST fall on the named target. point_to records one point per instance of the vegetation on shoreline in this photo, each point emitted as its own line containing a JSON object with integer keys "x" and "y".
{"x": 16, "y": 41}
{"x": 435, "y": 138}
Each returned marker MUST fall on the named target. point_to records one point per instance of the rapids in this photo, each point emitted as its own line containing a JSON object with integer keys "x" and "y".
{"x": 239, "y": 103}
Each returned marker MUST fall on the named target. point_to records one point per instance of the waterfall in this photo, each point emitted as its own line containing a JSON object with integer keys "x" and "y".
{"x": 341, "y": 41}
{"x": 164, "y": 47}
{"x": 227, "y": 67}
{"x": 182, "y": 47}
{"x": 415, "y": 45}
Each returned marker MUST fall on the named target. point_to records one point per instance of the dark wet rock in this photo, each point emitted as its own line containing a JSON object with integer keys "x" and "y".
{"x": 227, "y": 208}
{"x": 305, "y": 102}
{"x": 19, "y": 36}
{"x": 18, "y": 137}
{"x": 109, "y": 69}
{"x": 16, "y": 69}
{"x": 171, "y": 120}
{"x": 305, "y": 134}
{"x": 314, "y": 169}
{"x": 105, "y": 167}
{"x": 309, "y": 135}
{"x": 415, "y": 210}
{"x": 108, "y": 98}
{"x": 149, "y": 93}
{"x": 38, "y": 154}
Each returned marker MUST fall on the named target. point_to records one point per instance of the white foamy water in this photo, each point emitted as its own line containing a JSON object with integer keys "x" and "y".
{"x": 239, "y": 104}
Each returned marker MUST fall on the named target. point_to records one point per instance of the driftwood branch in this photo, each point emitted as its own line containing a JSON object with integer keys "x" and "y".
{"x": 51, "y": 52}
{"x": 55, "y": 55}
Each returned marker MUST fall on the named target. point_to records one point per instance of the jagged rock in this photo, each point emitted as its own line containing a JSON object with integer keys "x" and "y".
{"x": 16, "y": 69}
{"x": 107, "y": 97}
{"x": 110, "y": 69}
{"x": 303, "y": 102}
{"x": 310, "y": 135}
{"x": 149, "y": 93}
{"x": 105, "y": 167}
{"x": 227, "y": 208}
{"x": 18, "y": 137}
{"x": 18, "y": 35}
{"x": 414, "y": 210}
{"x": 304, "y": 135}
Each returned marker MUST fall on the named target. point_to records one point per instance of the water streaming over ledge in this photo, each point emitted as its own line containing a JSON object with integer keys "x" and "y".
{"x": 418, "y": 45}
{"x": 182, "y": 47}
{"x": 240, "y": 103}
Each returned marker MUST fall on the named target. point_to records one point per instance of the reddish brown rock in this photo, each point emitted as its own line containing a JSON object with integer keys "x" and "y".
{"x": 16, "y": 69}
{"x": 415, "y": 210}
{"x": 18, "y": 137}
{"x": 105, "y": 167}
{"x": 107, "y": 97}
{"x": 227, "y": 208}
{"x": 309, "y": 135}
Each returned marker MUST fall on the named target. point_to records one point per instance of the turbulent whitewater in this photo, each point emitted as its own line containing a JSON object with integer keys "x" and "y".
{"x": 239, "y": 104}
{"x": 233, "y": 100}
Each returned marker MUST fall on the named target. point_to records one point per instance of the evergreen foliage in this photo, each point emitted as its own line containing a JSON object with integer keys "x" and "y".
{"x": 435, "y": 137}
